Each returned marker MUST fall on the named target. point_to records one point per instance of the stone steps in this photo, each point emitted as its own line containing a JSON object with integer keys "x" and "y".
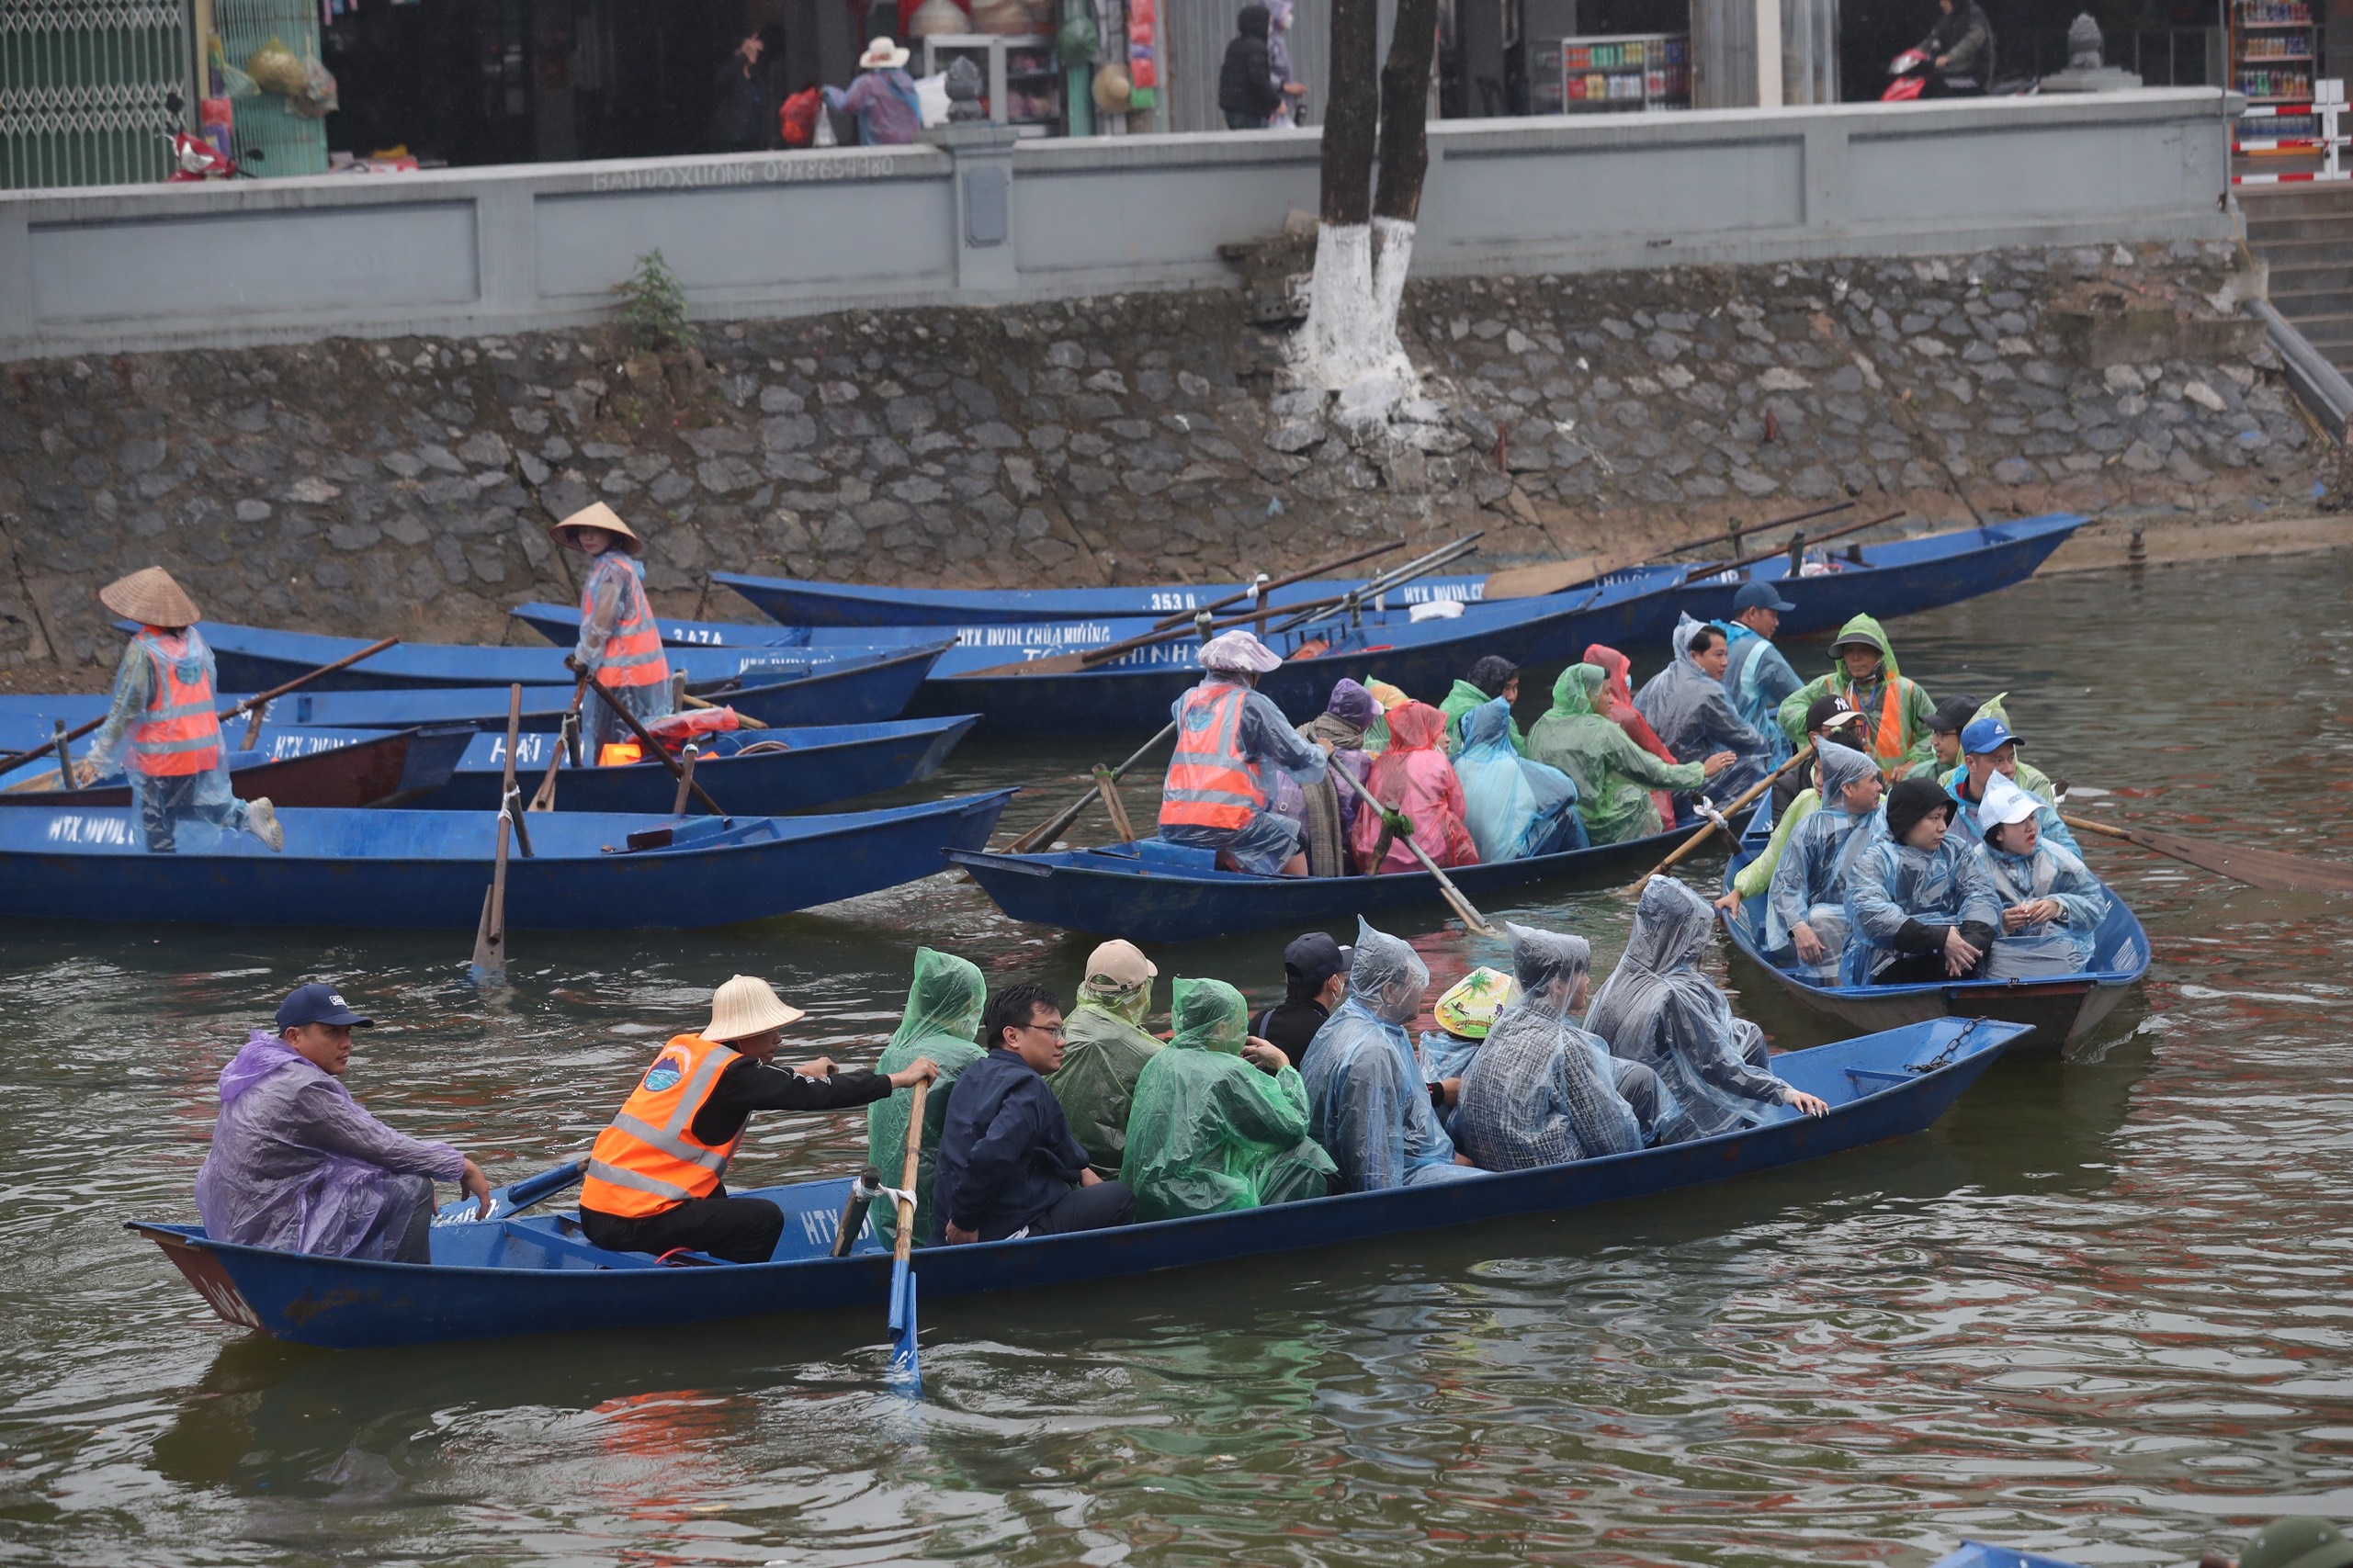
{"x": 2306, "y": 235}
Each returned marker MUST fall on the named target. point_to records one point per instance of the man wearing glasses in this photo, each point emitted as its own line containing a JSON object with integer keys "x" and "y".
{"x": 1008, "y": 1163}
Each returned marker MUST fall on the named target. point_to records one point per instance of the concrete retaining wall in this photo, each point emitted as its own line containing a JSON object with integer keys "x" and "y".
{"x": 499, "y": 251}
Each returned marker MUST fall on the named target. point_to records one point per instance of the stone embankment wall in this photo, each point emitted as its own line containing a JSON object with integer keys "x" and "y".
{"x": 406, "y": 486}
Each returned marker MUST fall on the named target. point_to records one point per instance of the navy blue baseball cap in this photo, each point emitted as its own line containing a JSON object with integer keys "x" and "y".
{"x": 318, "y": 1003}
{"x": 1758, "y": 595}
{"x": 1317, "y": 957}
{"x": 1985, "y": 735}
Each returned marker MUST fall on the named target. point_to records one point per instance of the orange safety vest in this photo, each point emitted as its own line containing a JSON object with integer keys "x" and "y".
{"x": 1210, "y": 784}
{"x": 1893, "y": 737}
{"x": 178, "y": 733}
{"x": 648, "y": 1159}
{"x": 632, "y": 655}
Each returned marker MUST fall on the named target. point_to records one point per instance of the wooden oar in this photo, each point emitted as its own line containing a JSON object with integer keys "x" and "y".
{"x": 1805, "y": 753}
{"x": 258, "y": 700}
{"x": 1463, "y": 906}
{"x": 490, "y": 935}
{"x": 2256, "y": 868}
{"x": 1550, "y": 577}
{"x": 1709, "y": 569}
{"x": 567, "y": 736}
{"x": 1046, "y": 831}
{"x": 688, "y": 699}
{"x": 1257, "y": 592}
{"x": 904, "y": 1366}
{"x": 654, "y": 748}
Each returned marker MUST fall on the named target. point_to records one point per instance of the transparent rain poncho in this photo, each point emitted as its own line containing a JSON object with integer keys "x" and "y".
{"x": 1809, "y": 886}
{"x": 1542, "y": 1091}
{"x": 1891, "y": 883}
{"x": 1659, "y": 1009}
{"x": 296, "y": 1165}
{"x": 2046, "y": 947}
{"x": 1367, "y": 1104}
{"x": 1211, "y": 1132}
{"x": 1416, "y": 777}
{"x": 164, "y": 801}
{"x": 1693, "y": 716}
{"x": 1104, "y": 1051}
{"x": 1515, "y": 807}
{"x": 1614, "y": 777}
{"x": 942, "y": 1017}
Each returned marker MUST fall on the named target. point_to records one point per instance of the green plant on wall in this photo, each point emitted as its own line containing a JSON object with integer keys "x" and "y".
{"x": 653, "y": 306}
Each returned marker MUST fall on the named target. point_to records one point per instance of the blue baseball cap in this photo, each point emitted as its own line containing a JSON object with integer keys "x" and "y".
{"x": 318, "y": 1003}
{"x": 1757, "y": 595}
{"x": 1985, "y": 735}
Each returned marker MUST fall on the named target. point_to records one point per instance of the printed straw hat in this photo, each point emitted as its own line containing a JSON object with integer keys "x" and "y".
{"x": 1471, "y": 1004}
{"x": 745, "y": 1006}
{"x": 596, "y": 514}
{"x": 150, "y": 597}
{"x": 1239, "y": 649}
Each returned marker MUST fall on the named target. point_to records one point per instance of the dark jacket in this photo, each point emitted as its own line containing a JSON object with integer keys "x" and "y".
{"x": 1006, "y": 1152}
{"x": 1966, "y": 40}
{"x": 1290, "y": 1026}
{"x": 1246, "y": 80}
{"x": 744, "y": 116}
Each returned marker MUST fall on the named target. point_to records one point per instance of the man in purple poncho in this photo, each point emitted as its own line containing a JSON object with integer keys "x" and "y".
{"x": 296, "y": 1164}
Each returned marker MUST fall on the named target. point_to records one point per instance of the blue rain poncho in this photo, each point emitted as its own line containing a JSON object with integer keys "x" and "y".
{"x": 1692, "y": 714}
{"x": 1515, "y": 807}
{"x": 942, "y": 1019}
{"x": 1367, "y": 1104}
{"x": 2045, "y": 947}
{"x": 1542, "y": 1091}
{"x": 2047, "y": 821}
{"x": 1892, "y": 885}
{"x": 1210, "y": 1133}
{"x": 1809, "y": 886}
{"x": 1658, "y": 1010}
{"x": 1757, "y": 680}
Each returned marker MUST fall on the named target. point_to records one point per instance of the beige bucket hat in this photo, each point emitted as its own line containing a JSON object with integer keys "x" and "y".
{"x": 596, "y": 514}
{"x": 745, "y": 1006}
{"x": 150, "y": 597}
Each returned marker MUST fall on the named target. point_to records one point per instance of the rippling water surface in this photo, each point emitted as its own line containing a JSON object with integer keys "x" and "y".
{"x": 2101, "y": 1311}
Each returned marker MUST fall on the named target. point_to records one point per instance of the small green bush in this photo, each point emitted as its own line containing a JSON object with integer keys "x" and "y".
{"x": 653, "y": 307}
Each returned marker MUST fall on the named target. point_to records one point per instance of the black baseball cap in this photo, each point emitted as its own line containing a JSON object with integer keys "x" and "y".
{"x": 1315, "y": 957}
{"x": 1953, "y": 715}
{"x": 318, "y": 1003}
{"x": 1825, "y": 713}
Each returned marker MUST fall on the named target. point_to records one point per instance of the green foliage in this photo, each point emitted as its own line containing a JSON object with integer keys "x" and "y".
{"x": 653, "y": 307}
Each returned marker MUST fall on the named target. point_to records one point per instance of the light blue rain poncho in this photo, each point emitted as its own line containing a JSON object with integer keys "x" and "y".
{"x": 1693, "y": 716}
{"x": 1966, "y": 814}
{"x": 1659, "y": 1010}
{"x": 1809, "y": 886}
{"x": 1891, "y": 883}
{"x": 1367, "y": 1104}
{"x": 2047, "y": 947}
{"x": 1541, "y": 1091}
{"x": 1514, "y": 808}
{"x": 1756, "y": 680}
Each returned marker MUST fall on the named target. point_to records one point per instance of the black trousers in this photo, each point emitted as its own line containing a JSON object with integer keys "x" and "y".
{"x": 740, "y": 1230}
{"x": 1100, "y": 1207}
{"x": 1921, "y": 969}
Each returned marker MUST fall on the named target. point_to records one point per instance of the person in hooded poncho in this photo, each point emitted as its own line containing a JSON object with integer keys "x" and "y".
{"x": 1757, "y": 676}
{"x": 1686, "y": 703}
{"x": 1390, "y": 699}
{"x": 1541, "y": 1091}
{"x": 1659, "y": 1009}
{"x": 1804, "y": 926}
{"x": 1616, "y": 705}
{"x": 1515, "y": 807}
{"x": 2051, "y": 902}
{"x": 1895, "y": 711}
{"x": 1918, "y": 909}
{"x": 1103, "y": 1052}
{"x": 1614, "y": 777}
{"x": 1328, "y": 807}
{"x": 1416, "y": 782}
{"x": 1990, "y": 749}
{"x": 1367, "y": 1104}
{"x": 1220, "y": 1119}
{"x": 1490, "y": 678}
{"x": 942, "y": 1020}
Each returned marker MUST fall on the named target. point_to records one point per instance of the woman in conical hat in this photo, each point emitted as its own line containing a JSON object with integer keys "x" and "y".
{"x": 619, "y": 644}
{"x": 163, "y": 722}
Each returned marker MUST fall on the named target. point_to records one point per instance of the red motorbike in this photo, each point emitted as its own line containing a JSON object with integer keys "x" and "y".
{"x": 194, "y": 159}
{"x": 1910, "y": 70}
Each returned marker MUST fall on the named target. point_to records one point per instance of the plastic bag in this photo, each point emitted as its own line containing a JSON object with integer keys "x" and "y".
{"x": 276, "y": 68}
{"x": 317, "y": 98}
{"x": 688, "y": 723}
{"x": 233, "y": 81}
{"x": 796, "y": 121}
{"x": 931, "y": 93}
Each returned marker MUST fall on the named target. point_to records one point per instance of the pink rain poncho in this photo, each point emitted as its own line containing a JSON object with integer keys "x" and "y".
{"x": 298, "y": 1166}
{"x": 1415, "y": 777}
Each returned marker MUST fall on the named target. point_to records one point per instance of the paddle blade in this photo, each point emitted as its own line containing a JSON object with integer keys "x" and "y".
{"x": 906, "y": 1370}
{"x": 2256, "y": 868}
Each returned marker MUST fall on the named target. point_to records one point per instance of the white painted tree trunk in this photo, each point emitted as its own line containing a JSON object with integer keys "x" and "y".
{"x": 1350, "y": 344}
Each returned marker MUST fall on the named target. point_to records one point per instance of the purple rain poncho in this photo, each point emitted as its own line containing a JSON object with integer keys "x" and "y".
{"x": 296, "y": 1165}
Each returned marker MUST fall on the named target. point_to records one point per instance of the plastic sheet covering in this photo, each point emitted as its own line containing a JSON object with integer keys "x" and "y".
{"x": 296, "y": 1164}
{"x": 1659, "y": 1009}
{"x": 1614, "y": 777}
{"x": 1513, "y": 808}
{"x": 1367, "y": 1104}
{"x": 2046, "y": 947}
{"x": 1891, "y": 883}
{"x": 1694, "y": 717}
{"x": 1209, "y": 1132}
{"x": 1809, "y": 885}
{"x": 1542, "y": 1091}
{"x": 943, "y": 1018}
{"x": 1103, "y": 1055}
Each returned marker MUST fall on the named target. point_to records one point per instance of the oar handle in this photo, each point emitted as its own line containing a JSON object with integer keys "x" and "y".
{"x": 346, "y": 662}
{"x": 1463, "y": 906}
{"x": 1747, "y": 796}
{"x": 655, "y": 747}
{"x": 1708, "y": 568}
{"x": 2086, "y": 824}
{"x": 906, "y": 1174}
{"x": 1044, "y": 833}
{"x": 1257, "y": 592}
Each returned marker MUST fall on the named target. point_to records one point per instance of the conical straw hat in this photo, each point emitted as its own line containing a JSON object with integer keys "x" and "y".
{"x": 150, "y": 597}
{"x": 746, "y": 1005}
{"x": 596, "y": 514}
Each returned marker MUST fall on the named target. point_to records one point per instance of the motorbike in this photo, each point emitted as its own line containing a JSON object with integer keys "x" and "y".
{"x": 1910, "y": 71}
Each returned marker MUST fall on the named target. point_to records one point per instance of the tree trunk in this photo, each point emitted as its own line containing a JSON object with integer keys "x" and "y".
{"x": 1405, "y": 110}
{"x": 1352, "y": 117}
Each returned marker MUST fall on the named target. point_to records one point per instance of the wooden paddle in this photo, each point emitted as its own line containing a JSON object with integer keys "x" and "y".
{"x": 1471, "y": 916}
{"x": 1709, "y": 569}
{"x": 688, "y": 699}
{"x": 490, "y": 935}
{"x": 904, "y": 1366}
{"x": 1048, "y": 830}
{"x": 2256, "y": 868}
{"x": 1550, "y": 577}
{"x": 1805, "y": 753}
{"x": 259, "y": 700}
{"x": 1257, "y": 592}
{"x": 654, "y": 748}
{"x": 567, "y": 737}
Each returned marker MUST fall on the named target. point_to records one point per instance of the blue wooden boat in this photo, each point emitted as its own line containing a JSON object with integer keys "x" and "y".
{"x": 559, "y": 623}
{"x": 1887, "y": 580}
{"x": 1975, "y": 1554}
{"x": 1154, "y": 891}
{"x": 532, "y": 1274}
{"x": 427, "y": 869}
{"x": 361, "y": 768}
{"x": 809, "y": 767}
{"x": 2060, "y": 1012}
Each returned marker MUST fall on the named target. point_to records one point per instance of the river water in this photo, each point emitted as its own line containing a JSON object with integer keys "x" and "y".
{"x": 2101, "y": 1310}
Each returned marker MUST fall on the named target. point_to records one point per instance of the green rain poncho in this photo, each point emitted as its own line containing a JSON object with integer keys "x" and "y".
{"x": 1614, "y": 776}
{"x": 1912, "y": 746}
{"x": 1104, "y": 1049}
{"x": 943, "y": 1016}
{"x": 1462, "y": 700}
{"x": 1209, "y": 1132}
